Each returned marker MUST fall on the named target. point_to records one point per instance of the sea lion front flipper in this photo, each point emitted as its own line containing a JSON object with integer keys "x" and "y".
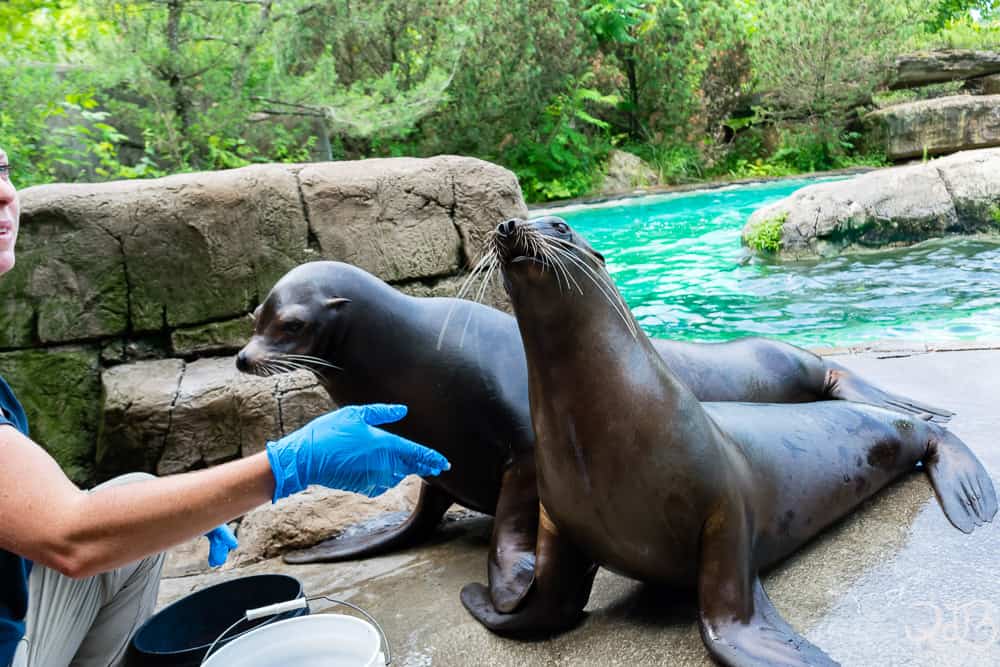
{"x": 432, "y": 503}
{"x": 561, "y": 587}
{"x": 739, "y": 625}
{"x": 962, "y": 485}
{"x": 842, "y": 384}
{"x": 515, "y": 534}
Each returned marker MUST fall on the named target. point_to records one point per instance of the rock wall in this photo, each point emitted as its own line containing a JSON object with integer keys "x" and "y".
{"x": 118, "y": 322}
{"x": 935, "y": 126}
{"x": 921, "y": 69}
{"x": 958, "y": 194}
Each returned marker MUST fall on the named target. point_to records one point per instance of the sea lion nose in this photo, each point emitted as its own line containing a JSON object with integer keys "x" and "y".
{"x": 242, "y": 363}
{"x": 506, "y": 229}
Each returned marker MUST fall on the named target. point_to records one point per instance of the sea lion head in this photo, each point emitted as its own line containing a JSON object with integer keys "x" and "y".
{"x": 301, "y": 321}
{"x": 537, "y": 251}
{"x": 551, "y": 272}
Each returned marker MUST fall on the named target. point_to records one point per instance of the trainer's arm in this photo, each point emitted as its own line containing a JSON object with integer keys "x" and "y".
{"x": 44, "y": 517}
{"x": 47, "y": 519}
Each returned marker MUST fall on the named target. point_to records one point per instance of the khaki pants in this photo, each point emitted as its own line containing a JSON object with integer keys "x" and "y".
{"x": 87, "y": 622}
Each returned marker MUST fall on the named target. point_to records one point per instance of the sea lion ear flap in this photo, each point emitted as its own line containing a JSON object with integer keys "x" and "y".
{"x": 599, "y": 256}
{"x": 336, "y": 302}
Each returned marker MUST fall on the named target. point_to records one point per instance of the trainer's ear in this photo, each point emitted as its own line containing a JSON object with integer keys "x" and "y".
{"x": 336, "y": 302}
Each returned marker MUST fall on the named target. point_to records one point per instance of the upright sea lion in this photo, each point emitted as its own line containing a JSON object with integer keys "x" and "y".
{"x": 466, "y": 386}
{"x": 635, "y": 474}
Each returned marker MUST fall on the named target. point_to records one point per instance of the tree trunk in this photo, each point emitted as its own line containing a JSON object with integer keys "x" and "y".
{"x": 633, "y": 93}
{"x": 182, "y": 105}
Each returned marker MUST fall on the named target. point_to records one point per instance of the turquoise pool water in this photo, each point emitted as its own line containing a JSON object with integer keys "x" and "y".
{"x": 677, "y": 261}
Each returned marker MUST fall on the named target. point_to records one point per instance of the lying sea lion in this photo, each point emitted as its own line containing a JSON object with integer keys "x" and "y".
{"x": 637, "y": 475}
{"x": 466, "y": 385}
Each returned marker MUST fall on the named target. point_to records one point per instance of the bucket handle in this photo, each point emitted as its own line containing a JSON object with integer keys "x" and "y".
{"x": 300, "y": 603}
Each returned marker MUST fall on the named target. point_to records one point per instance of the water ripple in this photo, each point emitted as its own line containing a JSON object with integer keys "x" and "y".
{"x": 677, "y": 261}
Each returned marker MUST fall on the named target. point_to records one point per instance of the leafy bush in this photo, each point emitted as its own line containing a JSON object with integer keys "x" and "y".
{"x": 821, "y": 58}
{"x": 766, "y": 236}
{"x": 673, "y": 162}
{"x": 965, "y": 33}
{"x": 564, "y": 157}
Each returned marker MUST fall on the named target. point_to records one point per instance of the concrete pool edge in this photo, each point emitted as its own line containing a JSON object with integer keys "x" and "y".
{"x": 683, "y": 188}
{"x": 890, "y": 347}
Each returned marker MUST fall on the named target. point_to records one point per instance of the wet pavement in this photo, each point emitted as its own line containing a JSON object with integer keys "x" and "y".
{"x": 894, "y": 584}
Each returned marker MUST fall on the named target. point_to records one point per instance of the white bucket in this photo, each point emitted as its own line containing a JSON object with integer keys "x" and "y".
{"x": 322, "y": 640}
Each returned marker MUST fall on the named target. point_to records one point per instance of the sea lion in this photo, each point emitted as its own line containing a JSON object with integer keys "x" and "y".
{"x": 466, "y": 385}
{"x": 637, "y": 475}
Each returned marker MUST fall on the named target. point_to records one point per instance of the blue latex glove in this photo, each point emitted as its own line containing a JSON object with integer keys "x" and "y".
{"x": 343, "y": 450}
{"x": 220, "y": 542}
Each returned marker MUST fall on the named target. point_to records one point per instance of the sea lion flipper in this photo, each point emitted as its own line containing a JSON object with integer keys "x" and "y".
{"x": 842, "y": 384}
{"x": 515, "y": 533}
{"x": 962, "y": 485}
{"x": 558, "y": 593}
{"x": 432, "y": 503}
{"x": 738, "y": 622}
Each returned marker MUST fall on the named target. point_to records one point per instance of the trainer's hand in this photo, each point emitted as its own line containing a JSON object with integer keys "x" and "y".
{"x": 220, "y": 542}
{"x": 343, "y": 450}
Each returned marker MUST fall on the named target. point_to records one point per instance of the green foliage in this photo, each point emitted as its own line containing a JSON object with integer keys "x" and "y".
{"x": 944, "y": 12}
{"x": 688, "y": 44}
{"x": 102, "y": 89}
{"x": 766, "y": 236}
{"x": 563, "y": 159}
{"x": 819, "y": 59}
{"x": 800, "y": 149}
{"x": 995, "y": 214}
{"x": 674, "y": 162}
{"x": 616, "y": 20}
{"x": 966, "y": 33}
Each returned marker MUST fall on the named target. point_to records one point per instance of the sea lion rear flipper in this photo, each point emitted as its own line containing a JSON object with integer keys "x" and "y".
{"x": 739, "y": 625}
{"x": 431, "y": 506}
{"x": 558, "y": 593}
{"x": 515, "y": 533}
{"x": 962, "y": 485}
{"x": 842, "y": 384}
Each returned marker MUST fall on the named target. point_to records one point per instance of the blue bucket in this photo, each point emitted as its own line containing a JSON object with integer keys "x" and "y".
{"x": 179, "y": 635}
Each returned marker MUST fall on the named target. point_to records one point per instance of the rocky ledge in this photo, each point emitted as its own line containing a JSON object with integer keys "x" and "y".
{"x": 936, "y": 126}
{"x": 958, "y": 194}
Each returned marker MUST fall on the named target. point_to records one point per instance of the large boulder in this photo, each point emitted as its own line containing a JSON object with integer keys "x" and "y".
{"x": 148, "y": 270}
{"x": 626, "y": 172}
{"x": 984, "y": 85}
{"x": 921, "y": 69}
{"x": 406, "y": 218}
{"x": 314, "y": 515}
{"x": 169, "y": 416}
{"x": 936, "y": 126}
{"x": 101, "y": 260}
{"x": 959, "y": 194}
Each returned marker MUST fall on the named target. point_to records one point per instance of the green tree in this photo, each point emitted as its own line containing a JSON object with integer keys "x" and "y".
{"x": 819, "y": 59}
{"x": 616, "y": 25}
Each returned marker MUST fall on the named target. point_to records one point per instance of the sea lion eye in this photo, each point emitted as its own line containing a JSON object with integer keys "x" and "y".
{"x": 292, "y": 327}
{"x": 561, "y": 227}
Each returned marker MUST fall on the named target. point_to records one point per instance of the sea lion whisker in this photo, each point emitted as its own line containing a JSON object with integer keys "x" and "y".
{"x": 614, "y": 294}
{"x": 479, "y": 296}
{"x": 608, "y": 290}
{"x": 480, "y": 266}
{"x": 307, "y": 359}
{"x": 560, "y": 265}
{"x": 283, "y": 366}
{"x": 486, "y": 260}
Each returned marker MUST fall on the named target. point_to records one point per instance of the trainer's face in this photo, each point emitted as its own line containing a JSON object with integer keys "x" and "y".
{"x": 9, "y": 216}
